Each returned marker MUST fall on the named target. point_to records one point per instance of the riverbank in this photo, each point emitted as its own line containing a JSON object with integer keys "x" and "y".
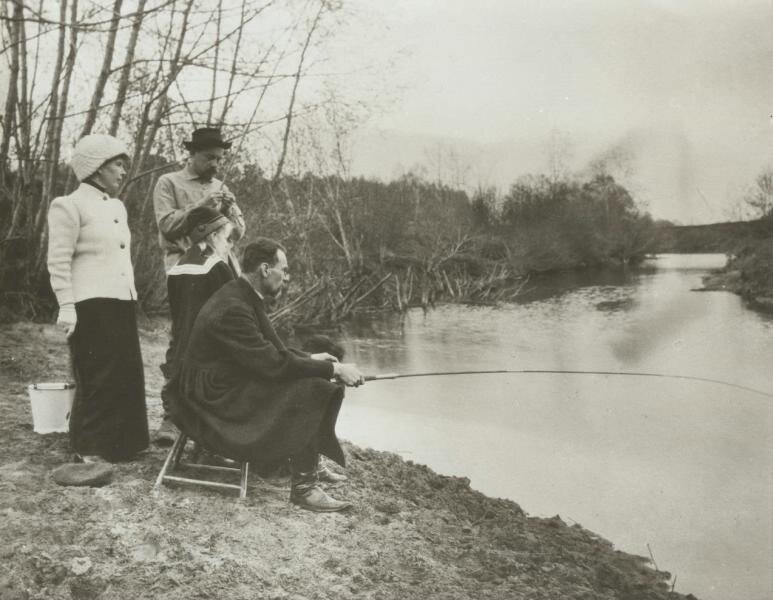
{"x": 411, "y": 534}
{"x": 749, "y": 274}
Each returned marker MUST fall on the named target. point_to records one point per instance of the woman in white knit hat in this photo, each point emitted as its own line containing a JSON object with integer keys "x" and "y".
{"x": 89, "y": 262}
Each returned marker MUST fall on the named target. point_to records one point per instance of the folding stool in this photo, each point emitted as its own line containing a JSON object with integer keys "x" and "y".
{"x": 174, "y": 460}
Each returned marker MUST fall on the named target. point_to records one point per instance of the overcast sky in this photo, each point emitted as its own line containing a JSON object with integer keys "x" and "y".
{"x": 475, "y": 91}
{"x": 684, "y": 87}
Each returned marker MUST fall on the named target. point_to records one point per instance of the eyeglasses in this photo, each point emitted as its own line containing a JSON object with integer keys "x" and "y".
{"x": 284, "y": 270}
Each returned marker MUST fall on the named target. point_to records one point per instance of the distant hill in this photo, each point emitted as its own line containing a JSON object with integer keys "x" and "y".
{"x": 729, "y": 236}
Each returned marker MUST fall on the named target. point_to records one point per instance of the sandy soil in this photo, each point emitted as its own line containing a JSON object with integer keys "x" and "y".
{"x": 411, "y": 534}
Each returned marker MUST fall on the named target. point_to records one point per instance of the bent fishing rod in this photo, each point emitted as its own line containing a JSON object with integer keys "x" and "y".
{"x": 386, "y": 376}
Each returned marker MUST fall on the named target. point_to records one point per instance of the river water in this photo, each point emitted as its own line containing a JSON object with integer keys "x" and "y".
{"x": 682, "y": 468}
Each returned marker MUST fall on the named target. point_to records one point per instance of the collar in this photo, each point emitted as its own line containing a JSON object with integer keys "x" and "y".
{"x": 94, "y": 184}
{"x": 89, "y": 189}
{"x": 246, "y": 284}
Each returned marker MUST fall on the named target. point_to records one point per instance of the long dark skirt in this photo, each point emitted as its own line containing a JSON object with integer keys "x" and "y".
{"x": 108, "y": 416}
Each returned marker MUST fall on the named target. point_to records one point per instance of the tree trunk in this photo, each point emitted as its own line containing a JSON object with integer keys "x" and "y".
{"x": 232, "y": 75}
{"x": 68, "y": 69}
{"x": 214, "y": 68}
{"x": 50, "y": 139}
{"x": 126, "y": 69}
{"x": 24, "y": 107}
{"x": 37, "y": 231}
{"x": 297, "y": 79}
{"x": 104, "y": 73}
{"x": 9, "y": 120}
{"x": 149, "y": 127}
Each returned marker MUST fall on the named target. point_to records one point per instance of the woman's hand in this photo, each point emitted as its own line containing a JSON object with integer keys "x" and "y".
{"x": 324, "y": 356}
{"x": 67, "y": 319}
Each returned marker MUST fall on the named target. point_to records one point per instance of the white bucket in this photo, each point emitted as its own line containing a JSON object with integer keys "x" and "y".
{"x": 51, "y": 404}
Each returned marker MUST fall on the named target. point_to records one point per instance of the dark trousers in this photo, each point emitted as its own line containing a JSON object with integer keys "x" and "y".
{"x": 109, "y": 416}
{"x": 306, "y": 460}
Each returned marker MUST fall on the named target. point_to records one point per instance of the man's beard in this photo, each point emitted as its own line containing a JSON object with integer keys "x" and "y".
{"x": 274, "y": 295}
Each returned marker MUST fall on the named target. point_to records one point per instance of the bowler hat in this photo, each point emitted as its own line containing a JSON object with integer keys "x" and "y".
{"x": 206, "y": 137}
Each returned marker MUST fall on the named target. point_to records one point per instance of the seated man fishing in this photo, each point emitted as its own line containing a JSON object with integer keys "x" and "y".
{"x": 243, "y": 395}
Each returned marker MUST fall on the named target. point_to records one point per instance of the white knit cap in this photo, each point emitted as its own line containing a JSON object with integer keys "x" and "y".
{"x": 92, "y": 151}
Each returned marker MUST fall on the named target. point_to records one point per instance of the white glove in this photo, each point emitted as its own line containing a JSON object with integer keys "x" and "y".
{"x": 67, "y": 319}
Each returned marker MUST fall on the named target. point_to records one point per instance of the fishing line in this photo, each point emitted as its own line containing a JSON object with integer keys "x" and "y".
{"x": 565, "y": 372}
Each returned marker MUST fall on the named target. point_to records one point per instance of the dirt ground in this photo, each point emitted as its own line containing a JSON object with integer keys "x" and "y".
{"x": 412, "y": 534}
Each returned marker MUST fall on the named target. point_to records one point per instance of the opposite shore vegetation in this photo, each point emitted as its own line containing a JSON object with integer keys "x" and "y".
{"x": 360, "y": 243}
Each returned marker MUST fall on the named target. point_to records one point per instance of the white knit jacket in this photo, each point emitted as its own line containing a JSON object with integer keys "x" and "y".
{"x": 89, "y": 247}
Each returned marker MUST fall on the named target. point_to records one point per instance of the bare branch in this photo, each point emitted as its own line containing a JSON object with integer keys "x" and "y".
{"x": 54, "y": 104}
{"x": 215, "y": 64}
{"x": 298, "y": 72}
{"x": 68, "y": 69}
{"x": 123, "y": 83}
{"x": 24, "y": 103}
{"x": 83, "y": 25}
{"x": 99, "y": 87}
{"x": 232, "y": 75}
{"x": 149, "y": 127}
{"x": 185, "y": 105}
{"x": 10, "y": 99}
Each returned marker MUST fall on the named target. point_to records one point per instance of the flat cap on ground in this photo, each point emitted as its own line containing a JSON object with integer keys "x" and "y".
{"x": 91, "y": 474}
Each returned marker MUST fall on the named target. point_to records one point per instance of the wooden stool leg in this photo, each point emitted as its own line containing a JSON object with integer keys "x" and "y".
{"x": 245, "y": 473}
{"x": 195, "y": 453}
{"x": 183, "y": 439}
{"x": 172, "y": 456}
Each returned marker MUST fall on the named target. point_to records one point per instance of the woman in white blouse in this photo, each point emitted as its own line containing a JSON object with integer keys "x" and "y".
{"x": 89, "y": 262}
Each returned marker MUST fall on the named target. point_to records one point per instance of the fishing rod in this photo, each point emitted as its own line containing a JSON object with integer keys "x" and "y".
{"x": 385, "y": 376}
{"x": 235, "y": 153}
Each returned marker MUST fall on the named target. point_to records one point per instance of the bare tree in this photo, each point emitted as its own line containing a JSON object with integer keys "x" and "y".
{"x": 126, "y": 68}
{"x": 219, "y": 20}
{"x": 149, "y": 126}
{"x": 104, "y": 72}
{"x": 39, "y": 226}
{"x": 53, "y": 111}
{"x": 169, "y": 44}
{"x": 760, "y": 197}
{"x": 9, "y": 122}
{"x": 559, "y": 151}
{"x": 296, "y": 81}
{"x": 234, "y": 62}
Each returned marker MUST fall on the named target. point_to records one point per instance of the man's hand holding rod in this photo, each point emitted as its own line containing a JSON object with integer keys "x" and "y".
{"x": 348, "y": 373}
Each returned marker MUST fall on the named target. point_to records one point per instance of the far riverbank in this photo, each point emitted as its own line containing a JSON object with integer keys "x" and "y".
{"x": 749, "y": 273}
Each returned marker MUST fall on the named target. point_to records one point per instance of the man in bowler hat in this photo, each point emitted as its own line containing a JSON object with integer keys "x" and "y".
{"x": 194, "y": 185}
{"x": 176, "y": 194}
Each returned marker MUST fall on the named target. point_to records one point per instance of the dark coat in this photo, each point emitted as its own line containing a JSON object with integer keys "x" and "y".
{"x": 243, "y": 394}
{"x": 190, "y": 283}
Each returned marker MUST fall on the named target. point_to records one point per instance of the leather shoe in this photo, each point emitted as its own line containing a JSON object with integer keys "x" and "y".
{"x": 167, "y": 433}
{"x": 215, "y": 460}
{"x": 328, "y": 476}
{"x": 315, "y": 499}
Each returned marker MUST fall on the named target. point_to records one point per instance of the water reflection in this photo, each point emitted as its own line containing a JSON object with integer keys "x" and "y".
{"x": 683, "y": 466}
